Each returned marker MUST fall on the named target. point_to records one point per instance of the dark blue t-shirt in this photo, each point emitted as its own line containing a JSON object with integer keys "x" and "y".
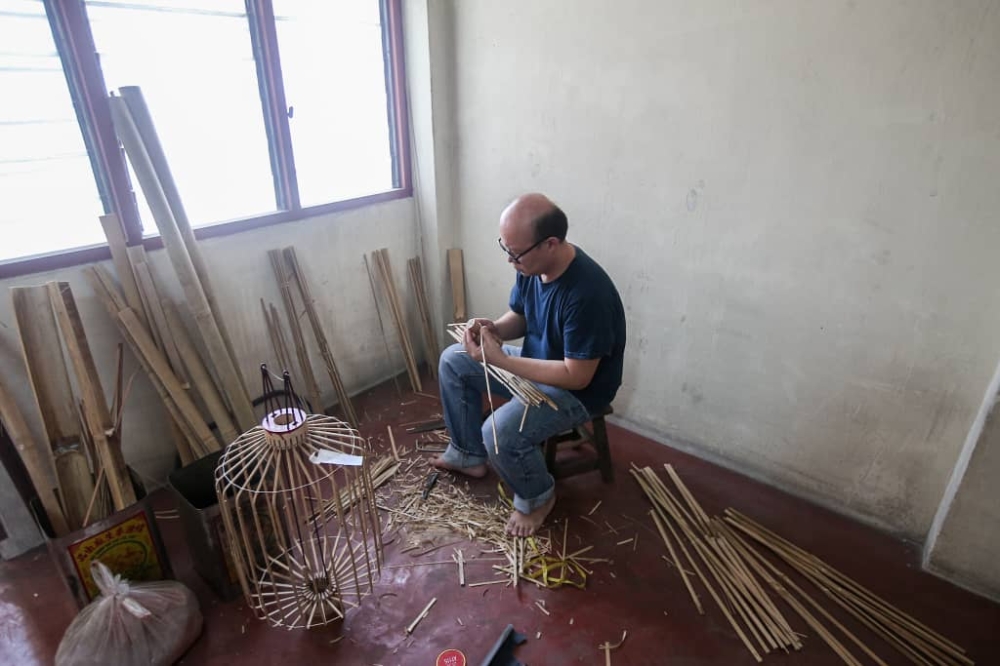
{"x": 578, "y": 315}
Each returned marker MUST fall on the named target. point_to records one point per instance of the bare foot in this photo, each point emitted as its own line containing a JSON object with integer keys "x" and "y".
{"x": 522, "y": 525}
{"x": 475, "y": 471}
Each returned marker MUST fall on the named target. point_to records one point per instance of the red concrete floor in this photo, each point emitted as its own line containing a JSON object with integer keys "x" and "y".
{"x": 638, "y": 592}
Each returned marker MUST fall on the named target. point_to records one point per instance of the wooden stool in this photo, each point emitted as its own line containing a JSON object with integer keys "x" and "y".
{"x": 596, "y": 435}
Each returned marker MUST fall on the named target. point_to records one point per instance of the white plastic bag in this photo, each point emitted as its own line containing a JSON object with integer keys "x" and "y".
{"x": 147, "y": 624}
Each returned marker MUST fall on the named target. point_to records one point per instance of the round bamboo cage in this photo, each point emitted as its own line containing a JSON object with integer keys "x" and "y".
{"x": 298, "y": 506}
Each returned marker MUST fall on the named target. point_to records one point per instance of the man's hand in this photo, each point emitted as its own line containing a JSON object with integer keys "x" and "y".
{"x": 483, "y": 341}
{"x": 474, "y": 326}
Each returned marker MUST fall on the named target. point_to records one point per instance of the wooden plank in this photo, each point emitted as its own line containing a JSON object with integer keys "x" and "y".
{"x": 200, "y": 378}
{"x": 324, "y": 346}
{"x": 456, "y": 270}
{"x": 43, "y": 357}
{"x": 37, "y": 459}
{"x": 98, "y": 417}
{"x": 219, "y": 355}
{"x": 283, "y": 277}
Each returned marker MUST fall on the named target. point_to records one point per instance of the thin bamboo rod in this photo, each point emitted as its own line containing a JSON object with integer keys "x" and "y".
{"x": 420, "y": 295}
{"x": 381, "y": 325}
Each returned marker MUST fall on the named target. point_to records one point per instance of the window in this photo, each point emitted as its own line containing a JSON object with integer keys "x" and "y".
{"x": 337, "y": 115}
{"x": 267, "y": 111}
{"x": 194, "y": 63}
{"x": 46, "y": 179}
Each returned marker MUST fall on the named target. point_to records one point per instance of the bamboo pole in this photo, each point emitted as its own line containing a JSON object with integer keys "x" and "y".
{"x": 218, "y": 352}
{"x": 144, "y": 123}
{"x": 153, "y": 305}
{"x": 324, "y": 346}
{"x": 199, "y": 375}
{"x": 36, "y": 458}
{"x": 76, "y": 484}
{"x": 98, "y": 417}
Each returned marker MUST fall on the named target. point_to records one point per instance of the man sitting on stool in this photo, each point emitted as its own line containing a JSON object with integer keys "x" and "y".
{"x": 571, "y": 317}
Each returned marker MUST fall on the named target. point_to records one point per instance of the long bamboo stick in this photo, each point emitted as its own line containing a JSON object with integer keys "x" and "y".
{"x": 384, "y": 267}
{"x": 203, "y": 314}
{"x": 420, "y": 295}
{"x": 324, "y": 346}
{"x": 381, "y": 325}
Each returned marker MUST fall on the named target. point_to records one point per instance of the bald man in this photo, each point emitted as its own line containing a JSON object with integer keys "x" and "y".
{"x": 571, "y": 317}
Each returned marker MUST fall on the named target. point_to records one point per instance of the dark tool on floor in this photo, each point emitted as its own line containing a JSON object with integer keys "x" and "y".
{"x": 432, "y": 479}
{"x": 502, "y": 653}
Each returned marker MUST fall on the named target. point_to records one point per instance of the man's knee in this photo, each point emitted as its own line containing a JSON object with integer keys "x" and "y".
{"x": 449, "y": 357}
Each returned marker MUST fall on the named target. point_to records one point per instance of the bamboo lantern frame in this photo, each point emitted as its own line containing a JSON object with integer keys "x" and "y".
{"x": 298, "y": 505}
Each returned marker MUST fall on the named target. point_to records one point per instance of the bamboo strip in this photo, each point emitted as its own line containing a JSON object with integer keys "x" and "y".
{"x": 423, "y": 614}
{"x": 98, "y": 417}
{"x": 222, "y": 360}
{"x": 274, "y": 333}
{"x": 284, "y": 280}
{"x": 324, "y": 346}
{"x": 153, "y": 305}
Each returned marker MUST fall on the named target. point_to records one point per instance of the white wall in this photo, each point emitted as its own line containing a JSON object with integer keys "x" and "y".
{"x": 798, "y": 202}
{"x": 329, "y": 248}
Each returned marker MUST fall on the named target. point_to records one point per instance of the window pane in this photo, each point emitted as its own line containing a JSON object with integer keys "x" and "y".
{"x": 334, "y": 76}
{"x": 50, "y": 198}
{"x": 194, "y": 62}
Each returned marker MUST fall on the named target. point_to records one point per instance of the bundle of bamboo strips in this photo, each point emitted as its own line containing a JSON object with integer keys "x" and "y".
{"x": 918, "y": 642}
{"x": 523, "y": 389}
{"x": 384, "y": 269}
{"x": 382, "y": 470}
{"x": 420, "y": 294}
{"x": 196, "y": 439}
{"x": 283, "y": 276}
{"x": 134, "y": 127}
{"x": 739, "y": 593}
{"x": 81, "y": 474}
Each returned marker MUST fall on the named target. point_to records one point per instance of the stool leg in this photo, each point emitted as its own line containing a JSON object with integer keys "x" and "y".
{"x": 603, "y": 450}
{"x": 551, "y": 445}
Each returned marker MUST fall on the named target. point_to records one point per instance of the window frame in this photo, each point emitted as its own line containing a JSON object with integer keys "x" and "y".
{"x": 78, "y": 54}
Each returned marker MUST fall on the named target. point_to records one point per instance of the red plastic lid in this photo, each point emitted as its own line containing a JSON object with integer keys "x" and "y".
{"x": 450, "y": 657}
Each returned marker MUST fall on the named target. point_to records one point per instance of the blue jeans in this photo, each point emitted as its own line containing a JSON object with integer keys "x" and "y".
{"x": 520, "y": 462}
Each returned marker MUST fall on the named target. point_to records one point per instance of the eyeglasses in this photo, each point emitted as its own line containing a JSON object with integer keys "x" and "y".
{"x": 516, "y": 258}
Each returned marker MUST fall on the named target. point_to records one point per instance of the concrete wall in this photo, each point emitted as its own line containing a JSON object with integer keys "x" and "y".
{"x": 965, "y": 538}
{"x": 329, "y": 248}
{"x": 798, "y": 202}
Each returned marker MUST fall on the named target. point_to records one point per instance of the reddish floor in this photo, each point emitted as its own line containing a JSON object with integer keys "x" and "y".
{"x": 638, "y": 592}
